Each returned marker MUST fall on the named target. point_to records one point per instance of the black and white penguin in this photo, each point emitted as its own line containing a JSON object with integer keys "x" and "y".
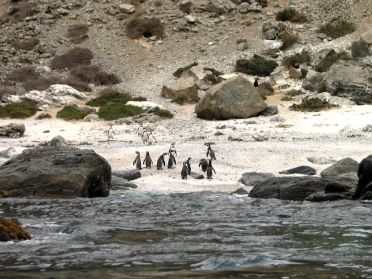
{"x": 185, "y": 170}
{"x": 161, "y": 162}
{"x": 255, "y": 84}
{"x": 203, "y": 164}
{"x": 188, "y": 163}
{"x": 210, "y": 170}
{"x": 137, "y": 161}
{"x": 173, "y": 148}
{"x": 147, "y": 161}
{"x": 210, "y": 152}
{"x": 171, "y": 159}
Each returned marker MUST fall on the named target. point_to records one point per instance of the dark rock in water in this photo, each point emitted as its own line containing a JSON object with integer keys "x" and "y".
{"x": 300, "y": 170}
{"x": 321, "y": 197}
{"x": 340, "y": 184}
{"x": 196, "y": 175}
{"x": 253, "y": 178}
{"x": 12, "y": 130}
{"x": 288, "y": 188}
{"x": 118, "y": 183}
{"x": 55, "y": 172}
{"x": 240, "y": 191}
{"x": 57, "y": 141}
{"x": 12, "y": 230}
{"x": 128, "y": 174}
{"x": 365, "y": 178}
{"x": 342, "y": 167}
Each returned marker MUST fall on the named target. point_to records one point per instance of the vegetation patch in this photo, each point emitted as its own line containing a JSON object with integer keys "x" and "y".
{"x": 110, "y": 96}
{"x": 297, "y": 59}
{"x": 337, "y": 29}
{"x": 145, "y": 27}
{"x": 93, "y": 74}
{"x": 218, "y": 133}
{"x": 78, "y": 33}
{"x": 112, "y": 111}
{"x": 257, "y": 65}
{"x": 288, "y": 38}
{"x": 331, "y": 58}
{"x": 312, "y": 104}
{"x": 164, "y": 113}
{"x": 291, "y": 14}
{"x": 27, "y": 44}
{"x": 19, "y": 110}
{"x": 72, "y": 58}
{"x": 71, "y": 113}
{"x": 44, "y": 116}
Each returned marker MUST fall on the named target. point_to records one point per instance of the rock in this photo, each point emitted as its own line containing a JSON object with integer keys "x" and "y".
{"x": 359, "y": 49}
{"x": 12, "y": 230}
{"x": 253, "y": 178}
{"x": 288, "y": 188}
{"x": 306, "y": 170}
{"x": 185, "y": 6}
{"x": 364, "y": 170}
{"x": 321, "y": 197}
{"x": 42, "y": 115}
{"x": 190, "y": 19}
{"x": 93, "y": 117}
{"x": 144, "y": 104}
{"x": 270, "y": 111}
{"x": 119, "y": 183}
{"x": 340, "y": 184}
{"x": 12, "y": 130}
{"x": 257, "y": 65}
{"x": 57, "y": 141}
{"x": 321, "y": 160}
{"x": 196, "y": 175}
{"x": 181, "y": 91}
{"x": 269, "y": 31}
{"x": 367, "y": 37}
{"x": 334, "y": 100}
{"x": 350, "y": 81}
{"x": 181, "y": 70}
{"x": 55, "y": 172}
{"x": 240, "y": 191}
{"x": 343, "y": 167}
{"x": 314, "y": 82}
{"x": 232, "y": 98}
{"x": 8, "y": 153}
{"x": 295, "y": 73}
{"x": 127, "y": 8}
{"x": 128, "y": 174}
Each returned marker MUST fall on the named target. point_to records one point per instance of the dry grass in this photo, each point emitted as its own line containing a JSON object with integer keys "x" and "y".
{"x": 337, "y": 29}
{"x": 72, "y": 58}
{"x": 145, "y": 27}
{"x": 27, "y": 44}
{"x": 23, "y": 74}
{"x": 291, "y": 14}
{"x": 93, "y": 74}
{"x": 77, "y": 33}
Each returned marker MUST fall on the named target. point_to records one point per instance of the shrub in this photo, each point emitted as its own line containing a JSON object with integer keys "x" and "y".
{"x": 109, "y": 95}
{"x": 360, "y": 49}
{"x": 146, "y": 27}
{"x": 291, "y": 14}
{"x": 72, "y": 58}
{"x": 40, "y": 83}
{"x": 139, "y": 99}
{"x": 288, "y": 38}
{"x": 21, "y": 10}
{"x": 312, "y": 104}
{"x": 18, "y": 110}
{"x": 71, "y": 113}
{"x": 338, "y": 28}
{"x": 44, "y": 116}
{"x": 164, "y": 113}
{"x": 77, "y": 84}
{"x": 77, "y": 33}
{"x": 93, "y": 74}
{"x": 27, "y": 44}
{"x": 297, "y": 59}
{"x": 112, "y": 111}
{"x": 257, "y": 65}
{"x": 23, "y": 74}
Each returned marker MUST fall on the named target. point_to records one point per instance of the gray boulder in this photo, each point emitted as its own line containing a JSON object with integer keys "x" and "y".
{"x": 314, "y": 81}
{"x": 55, "y": 172}
{"x": 12, "y": 130}
{"x": 360, "y": 49}
{"x": 257, "y": 65}
{"x": 306, "y": 170}
{"x": 57, "y": 141}
{"x": 253, "y": 178}
{"x": 344, "y": 167}
{"x": 181, "y": 91}
{"x": 128, "y": 174}
{"x": 233, "y": 98}
{"x": 119, "y": 183}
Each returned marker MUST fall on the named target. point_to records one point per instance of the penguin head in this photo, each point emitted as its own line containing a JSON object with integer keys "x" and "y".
{"x": 137, "y": 152}
{"x": 147, "y": 153}
{"x": 165, "y": 153}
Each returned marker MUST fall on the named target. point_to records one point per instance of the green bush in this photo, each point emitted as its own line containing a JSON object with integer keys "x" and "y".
{"x": 71, "y": 113}
{"x": 117, "y": 110}
{"x": 337, "y": 29}
{"x": 312, "y": 104}
{"x": 18, "y": 110}
{"x": 109, "y": 95}
{"x": 291, "y": 14}
{"x": 164, "y": 113}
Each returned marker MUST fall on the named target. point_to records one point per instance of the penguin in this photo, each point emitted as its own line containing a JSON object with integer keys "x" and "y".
{"x": 161, "y": 162}
{"x": 185, "y": 170}
{"x": 210, "y": 169}
{"x": 137, "y": 161}
{"x": 173, "y": 148}
{"x": 147, "y": 161}
{"x": 255, "y": 84}
{"x": 171, "y": 159}
{"x": 210, "y": 152}
{"x": 203, "y": 164}
{"x": 188, "y": 165}
{"x": 110, "y": 133}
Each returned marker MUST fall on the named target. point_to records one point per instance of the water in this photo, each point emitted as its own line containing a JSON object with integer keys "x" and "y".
{"x": 135, "y": 234}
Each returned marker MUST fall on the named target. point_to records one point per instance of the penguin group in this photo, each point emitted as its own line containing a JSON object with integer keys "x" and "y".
{"x": 205, "y": 164}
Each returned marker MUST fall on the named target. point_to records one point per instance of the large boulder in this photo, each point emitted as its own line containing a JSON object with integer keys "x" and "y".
{"x": 350, "y": 81}
{"x": 233, "y": 98}
{"x": 314, "y": 81}
{"x": 12, "y": 130}
{"x": 55, "y": 172}
{"x": 253, "y": 178}
{"x": 128, "y": 174}
{"x": 306, "y": 170}
{"x": 181, "y": 91}
{"x": 257, "y": 65}
{"x": 12, "y": 230}
{"x": 344, "y": 167}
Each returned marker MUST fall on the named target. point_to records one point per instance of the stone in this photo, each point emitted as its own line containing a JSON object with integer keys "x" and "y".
{"x": 12, "y": 130}
{"x": 185, "y": 6}
{"x": 181, "y": 70}
{"x": 269, "y": 111}
{"x": 128, "y": 174}
{"x": 269, "y": 31}
{"x": 295, "y": 73}
{"x": 253, "y": 178}
{"x": 196, "y": 175}
{"x": 144, "y": 104}
{"x": 306, "y": 170}
{"x": 181, "y": 91}
{"x": 119, "y": 183}
{"x": 57, "y": 141}
{"x": 55, "y": 172}
{"x": 127, "y": 8}
{"x": 367, "y": 37}
{"x": 257, "y": 65}
{"x": 322, "y": 197}
{"x": 12, "y": 230}
{"x": 190, "y": 19}
{"x": 340, "y": 168}
{"x": 240, "y": 191}
{"x": 314, "y": 82}
{"x": 8, "y": 153}
{"x": 232, "y": 98}
{"x": 93, "y": 117}
{"x": 360, "y": 49}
